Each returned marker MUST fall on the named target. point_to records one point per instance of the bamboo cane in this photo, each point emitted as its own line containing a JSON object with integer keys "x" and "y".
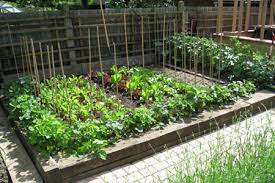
{"x": 35, "y": 69}
{"x": 53, "y": 61}
{"x": 13, "y": 52}
{"x": 49, "y": 61}
{"x": 142, "y": 42}
{"x": 104, "y": 23}
{"x": 235, "y": 11}
{"x": 115, "y": 60}
{"x": 99, "y": 55}
{"x": 22, "y": 54}
{"x": 26, "y": 55}
{"x": 60, "y": 58}
{"x": 126, "y": 41}
{"x": 163, "y": 45}
{"x": 42, "y": 61}
{"x": 29, "y": 58}
{"x": 90, "y": 53}
{"x": 175, "y": 47}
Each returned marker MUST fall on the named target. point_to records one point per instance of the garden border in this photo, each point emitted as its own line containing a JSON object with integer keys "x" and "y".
{"x": 74, "y": 168}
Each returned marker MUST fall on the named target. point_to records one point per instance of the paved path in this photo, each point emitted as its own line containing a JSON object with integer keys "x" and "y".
{"x": 20, "y": 166}
{"x": 159, "y": 167}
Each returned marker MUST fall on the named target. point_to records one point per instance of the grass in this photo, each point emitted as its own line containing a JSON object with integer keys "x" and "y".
{"x": 247, "y": 159}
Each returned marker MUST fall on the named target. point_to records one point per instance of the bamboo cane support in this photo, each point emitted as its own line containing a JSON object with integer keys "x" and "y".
{"x": 13, "y": 52}
{"x": 42, "y": 61}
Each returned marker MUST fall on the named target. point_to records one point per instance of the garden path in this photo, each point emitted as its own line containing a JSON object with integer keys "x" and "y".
{"x": 19, "y": 165}
{"x": 160, "y": 166}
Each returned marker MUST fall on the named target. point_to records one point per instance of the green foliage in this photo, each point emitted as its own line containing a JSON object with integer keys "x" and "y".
{"x": 246, "y": 159}
{"x": 72, "y": 115}
{"x": 239, "y": 61}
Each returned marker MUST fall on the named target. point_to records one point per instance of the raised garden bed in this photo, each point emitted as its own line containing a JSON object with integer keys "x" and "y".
{"x": 58, "y": 169}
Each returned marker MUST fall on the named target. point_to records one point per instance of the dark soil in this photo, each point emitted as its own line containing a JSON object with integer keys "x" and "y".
{"x": 4, "y": 178}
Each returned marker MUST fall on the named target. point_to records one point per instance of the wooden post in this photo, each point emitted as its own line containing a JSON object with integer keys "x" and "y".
{"x": 49, "y": 61}
{"x": 240, "y": 26}
{"x": 142, "y": 41}
{"x": 235, "y": 12}
{"x": 247, "y": 18}
{"x": 60, "y": 58}
{"x": 163, "y": 44}
{"x": 13, "y": 52}
{"x": 42, "y": 61}
{"x": 126, "y": 40}
{"x": 99, "y": 55}
{"x": 263, "y": 20}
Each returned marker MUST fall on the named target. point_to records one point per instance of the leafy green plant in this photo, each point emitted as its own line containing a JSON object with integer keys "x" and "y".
{"x": 239, "y": 61}
{"x": 73, "y": 115}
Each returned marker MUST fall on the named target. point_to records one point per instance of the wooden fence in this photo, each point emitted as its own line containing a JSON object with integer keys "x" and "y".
{"x": 144, "y": 31}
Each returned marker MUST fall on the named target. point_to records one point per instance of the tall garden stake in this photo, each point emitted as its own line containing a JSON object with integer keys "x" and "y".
{"x": 26, "y": 55}
{"x": 175, "y": 46}
{"x": 13, "y": 52}
{"x": 42, "y": 61}
{"x": 35, "y": 68}
{"x": 104, "y": 23}
{"x": 53, "y": 61}
{"x": 29, "y": 58}
{"x": 49, "y": 61}
{"x": 115, "y": 60}
{"x": 90, "y": 53}
{"x": 22, "y": 54}
{"x": 163, "y": 44}
{"x": 60, "y": 58}
{"x": 99, "y": 55}
{"x": 142, "y": 41}
{"x": 126, "y": 40}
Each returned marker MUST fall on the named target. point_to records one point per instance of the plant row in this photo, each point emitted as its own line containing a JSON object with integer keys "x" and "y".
{"x": 239, "y": 61}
